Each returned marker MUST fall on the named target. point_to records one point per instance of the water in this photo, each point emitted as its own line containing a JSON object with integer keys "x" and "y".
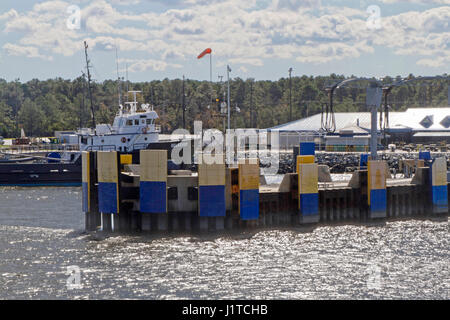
{"x": 41, "y": 234}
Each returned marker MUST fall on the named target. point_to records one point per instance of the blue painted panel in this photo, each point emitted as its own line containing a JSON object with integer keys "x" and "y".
{"x": 249, "y": 204}
{"x": 363, "y": 160}
{"x": 440, "y": 196}
{"x": 54, "y": 157}
{"x": 153, "y": 197}
{"x": 309, "y": 204}
{"x": 212, "y": 201}
{"x": 85, "y": 197}
{"x": 307, "y": 148}
{"x": 107, "y": 197}
{"x": 424, "y": 155}
{"x": 378, "y": 200}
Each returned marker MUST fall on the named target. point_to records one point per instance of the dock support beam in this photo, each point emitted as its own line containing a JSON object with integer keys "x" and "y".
{"x": 376, "y": 193}
{"x": 108, "y": 182}
{"x": 248, "y": 189}
{"x": 211, "y": 190}
{"x": 438, "y": 183}
{"x": 308, "y": 188}
{"x": 89, "y": 189}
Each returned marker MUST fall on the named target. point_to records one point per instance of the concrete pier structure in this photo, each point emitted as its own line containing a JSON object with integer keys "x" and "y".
{"x": 212, "y": 198}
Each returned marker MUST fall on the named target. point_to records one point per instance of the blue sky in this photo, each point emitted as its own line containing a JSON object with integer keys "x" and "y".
{"x": 261, "y": 39}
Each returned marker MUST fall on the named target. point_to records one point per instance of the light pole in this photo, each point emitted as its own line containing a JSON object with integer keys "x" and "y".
{"x": 290, "y": 94}
{"x": 251, "y": 105}
{"x": 183, "y": 105}
{"x": 221, "y": 113}
{"x": 229, "y": 108}
{"x": 373, "y": 101}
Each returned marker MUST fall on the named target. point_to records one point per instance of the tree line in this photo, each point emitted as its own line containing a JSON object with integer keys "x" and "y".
{"x": 43, "y": 107}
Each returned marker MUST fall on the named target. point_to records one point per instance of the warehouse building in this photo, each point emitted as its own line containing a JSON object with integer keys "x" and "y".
{"x": 415, "y": 125}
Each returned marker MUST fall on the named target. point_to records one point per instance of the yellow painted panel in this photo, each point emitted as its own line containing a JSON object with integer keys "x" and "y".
{"x": 211, "y": 174}
{"x": 153, "y": 165}
{"x": 376, "y": 175}
{"x": 439, "y": 171}
{"x": 126, "y": 159}
{"x": 305, "y": 159}
{"x": 308, "y": 178}
{"x": 85, "y": 166}
{"x": 249, "y": 175}
{"x": 107, "y": 166}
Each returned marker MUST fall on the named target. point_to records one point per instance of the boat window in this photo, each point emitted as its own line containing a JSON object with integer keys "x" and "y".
{"x": 149, "y": 121}
{"x": 143, "y": 121}
{"x": 136, "y": 122}
{"x": 129, "y": 122}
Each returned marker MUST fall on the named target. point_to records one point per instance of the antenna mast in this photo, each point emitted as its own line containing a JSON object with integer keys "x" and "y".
{"x": 183, "y": 105}
{"x": 82, "y": 102}
{"x": 119, "y": 84}
{"x": 89, "y": 83}
{"x": 126, "y": 67}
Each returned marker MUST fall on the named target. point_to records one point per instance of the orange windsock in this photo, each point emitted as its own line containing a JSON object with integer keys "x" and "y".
{"x": 204, "y": 53}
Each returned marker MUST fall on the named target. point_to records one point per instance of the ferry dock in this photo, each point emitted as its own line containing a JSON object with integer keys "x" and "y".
{"x": 119, "y": 196}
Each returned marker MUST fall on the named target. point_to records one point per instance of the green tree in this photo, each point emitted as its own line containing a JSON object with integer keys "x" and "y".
{"x": 31, "y": 117}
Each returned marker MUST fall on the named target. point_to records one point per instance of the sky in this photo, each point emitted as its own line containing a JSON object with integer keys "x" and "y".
{"x": 261, "y": 39}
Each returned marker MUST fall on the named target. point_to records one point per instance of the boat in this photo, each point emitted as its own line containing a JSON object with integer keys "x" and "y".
{"x": 40, "y": 174}
{"x": 16, "y": 160}
{"x": 134, "y": 129}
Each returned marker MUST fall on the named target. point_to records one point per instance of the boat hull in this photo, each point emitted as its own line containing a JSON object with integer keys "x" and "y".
{"x": 40, "y": 174}
{"x": 59, "y": 174}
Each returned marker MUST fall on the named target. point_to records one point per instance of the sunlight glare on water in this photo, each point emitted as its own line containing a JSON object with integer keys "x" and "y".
{"x": 41, "y": 234}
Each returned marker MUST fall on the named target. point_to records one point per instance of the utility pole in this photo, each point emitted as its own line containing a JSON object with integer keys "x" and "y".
{"x": 229, "y": 108}
{"x": 373, "y": 102}
{"x": 89, "y": 83}
{"x": 290, "y": 94}
{"x": 251, "y": 104}
{"x": 210, "y": 78}
{"x": 220, "y": 107}
{"x": 126, "y": 70}
{"x": 183, "y": 105}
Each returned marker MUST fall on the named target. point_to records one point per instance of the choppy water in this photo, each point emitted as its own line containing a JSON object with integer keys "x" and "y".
{"x": 41, "y": 234}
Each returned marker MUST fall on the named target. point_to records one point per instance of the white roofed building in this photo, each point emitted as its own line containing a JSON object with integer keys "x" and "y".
{"x": 412, "y": 125}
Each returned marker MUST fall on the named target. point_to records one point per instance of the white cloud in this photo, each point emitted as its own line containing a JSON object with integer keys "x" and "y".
{"x": 241, "y": 32}
{"x": 418, "y": 1}
{"x": 243, "y": 69}
{"x": 30, "y": 52}
{"x": 9, "y": 15}
{"x": 125, "y": 2}
{"x": 296, "y": 4}
{"x": 249, "y": 61}
{"x": 141, "y": 65}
